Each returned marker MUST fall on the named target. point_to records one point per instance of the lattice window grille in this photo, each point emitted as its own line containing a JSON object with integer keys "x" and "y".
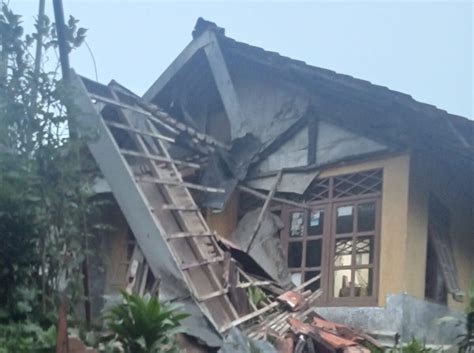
{"x": 367, "y": 182}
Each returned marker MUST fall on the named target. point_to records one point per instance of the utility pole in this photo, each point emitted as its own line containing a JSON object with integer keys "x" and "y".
{"x": 62, "y": 41}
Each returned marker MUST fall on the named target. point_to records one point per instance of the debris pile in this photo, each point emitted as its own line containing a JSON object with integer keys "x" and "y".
{"x": 226, "y": 286}
{"x": 292, "y": 325}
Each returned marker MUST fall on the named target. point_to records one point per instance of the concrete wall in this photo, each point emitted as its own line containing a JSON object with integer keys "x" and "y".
{"x": 403, "y": 314}
{"x": 404, "y": 221}
{"x": 394, "y": 219}
{"x": 393, "y": 237}
{"x": 452, "y": 188}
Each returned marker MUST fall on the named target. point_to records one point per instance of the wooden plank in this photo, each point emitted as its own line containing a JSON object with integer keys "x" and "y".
{"x": 254, "y": 284}
{"x": 201, "y": 263}
{"x": 150, "y": 228}
{"x": 264, "y": 209}
{"x": 159, "y": 158}
{"x": 180, "y": 208}
{"x": 189, "y": 234}
{"x": 211, "y": 295}
{"x": 223, "y": 80}
{"x": 270, "y": 306}
{"x": 140, "y": 132}
{"x": 262, "y": 196}
{"x": 128, "y": 194}
{"x": 196, "y": 223}
{"x": 197, "y": 137}
{"x": 144, "y": 276}
{"x": 178, "y": 63}
{"x": 133, "y": 269}
{"x": 117, "y": 104}
{"x": 252, "y": 315}
{"x": 203, "y": 277}
{"x": 147, "y": 179}
{"x": 140, "y": 110}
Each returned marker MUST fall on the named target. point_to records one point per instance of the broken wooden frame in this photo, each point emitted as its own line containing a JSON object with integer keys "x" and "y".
{"x": 171, "y": 233}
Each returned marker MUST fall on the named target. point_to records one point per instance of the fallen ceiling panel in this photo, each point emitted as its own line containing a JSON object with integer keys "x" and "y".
{"x": 294, "y": 182}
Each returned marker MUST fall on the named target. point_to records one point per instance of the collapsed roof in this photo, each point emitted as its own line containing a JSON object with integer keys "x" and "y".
{"x": 129, "y": 158}
{"x": 375, "y": 111}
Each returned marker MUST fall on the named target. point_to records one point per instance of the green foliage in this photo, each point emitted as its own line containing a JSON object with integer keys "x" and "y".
{"x": 466, "y": 340}
{"x": 416, "y": 347}
{"x": 26, "y": 337}
{"x": 371, "y": 347}
{"x": 19, "y": 260}
{"x": 144, "y": 325}
{"x": 256, "y": 296}
{"x": 470, "y": 299}
{"x": 45, "y": 181}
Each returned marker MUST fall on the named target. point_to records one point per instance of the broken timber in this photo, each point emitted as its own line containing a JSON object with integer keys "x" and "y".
{"x": 263, "y": 196}
{"x": 173, "y": 239}
{"x": 264, "y": 209}
{"x": 194, "y": 259}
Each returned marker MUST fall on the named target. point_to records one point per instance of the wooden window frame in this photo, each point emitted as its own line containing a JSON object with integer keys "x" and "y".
{"x": 329, "y": 237}
{"x": 375, "y": 234}
{"x": 286, "y": 239}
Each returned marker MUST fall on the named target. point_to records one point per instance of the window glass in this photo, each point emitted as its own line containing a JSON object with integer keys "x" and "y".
{"x": 311, "y": 274}
{"x": 296, "y": 278}
{"x": 351, "y": 205}
{"x": 313, "y": 253}
{"x": 366, "y": 217}
{"x": 316, "y": 223}
{"x": 296, "y": 224}
{"x": 363, "y": 282}
{"x": 295, "y": 254}
{"x": 364, "y": 250}
{"x": 343, "y": 252}
{"x": 342, "y": 283}
{"x": 345, "y": 219}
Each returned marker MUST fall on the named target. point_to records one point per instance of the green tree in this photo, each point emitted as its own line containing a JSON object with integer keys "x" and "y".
{"x": 44, "y": 178}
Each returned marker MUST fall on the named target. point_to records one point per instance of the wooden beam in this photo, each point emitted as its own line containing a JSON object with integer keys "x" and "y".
{"x": 270, "y": 306}
{"x": 175, "y": 182}
{"x": 139, "y": 110}
{"x": 127, "y": 192}
{"x": 191, "y": 49}
{"x": 138, "y": 131}
{"x": 262, "y": 196}
{"x": 223, "y": 80}
{"x": 160, "y": 158}
{"x": 313, "y": 129}
{"x": 264, "y": 209}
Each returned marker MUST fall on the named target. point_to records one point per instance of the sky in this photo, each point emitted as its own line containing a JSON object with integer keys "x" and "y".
{"x": 422, "y": 48}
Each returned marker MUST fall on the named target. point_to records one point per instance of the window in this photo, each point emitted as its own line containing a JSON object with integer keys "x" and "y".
{"x": 337, "y": 237}
{"x": 304, "y": 250}
{"x": 353, "y": 250}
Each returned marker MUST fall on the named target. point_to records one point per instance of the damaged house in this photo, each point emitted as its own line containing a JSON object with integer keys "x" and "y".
{"x": 240, "y": 168}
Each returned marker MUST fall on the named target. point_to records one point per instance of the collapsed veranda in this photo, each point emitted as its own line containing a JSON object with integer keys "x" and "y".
{"x": 240, "y": 167}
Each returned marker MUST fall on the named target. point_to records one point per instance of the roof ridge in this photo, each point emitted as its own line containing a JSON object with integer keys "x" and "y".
{"x": 203, "y": 25}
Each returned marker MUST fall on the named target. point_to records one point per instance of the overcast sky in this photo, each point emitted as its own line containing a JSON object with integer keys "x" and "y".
{"x": 422, "y": 48}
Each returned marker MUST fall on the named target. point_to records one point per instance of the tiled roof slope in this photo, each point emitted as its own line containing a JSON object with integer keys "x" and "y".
{"x": 399, "y": 111}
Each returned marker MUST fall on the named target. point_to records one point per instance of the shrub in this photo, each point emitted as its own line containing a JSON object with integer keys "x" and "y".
{"x": 144, "y": 325}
